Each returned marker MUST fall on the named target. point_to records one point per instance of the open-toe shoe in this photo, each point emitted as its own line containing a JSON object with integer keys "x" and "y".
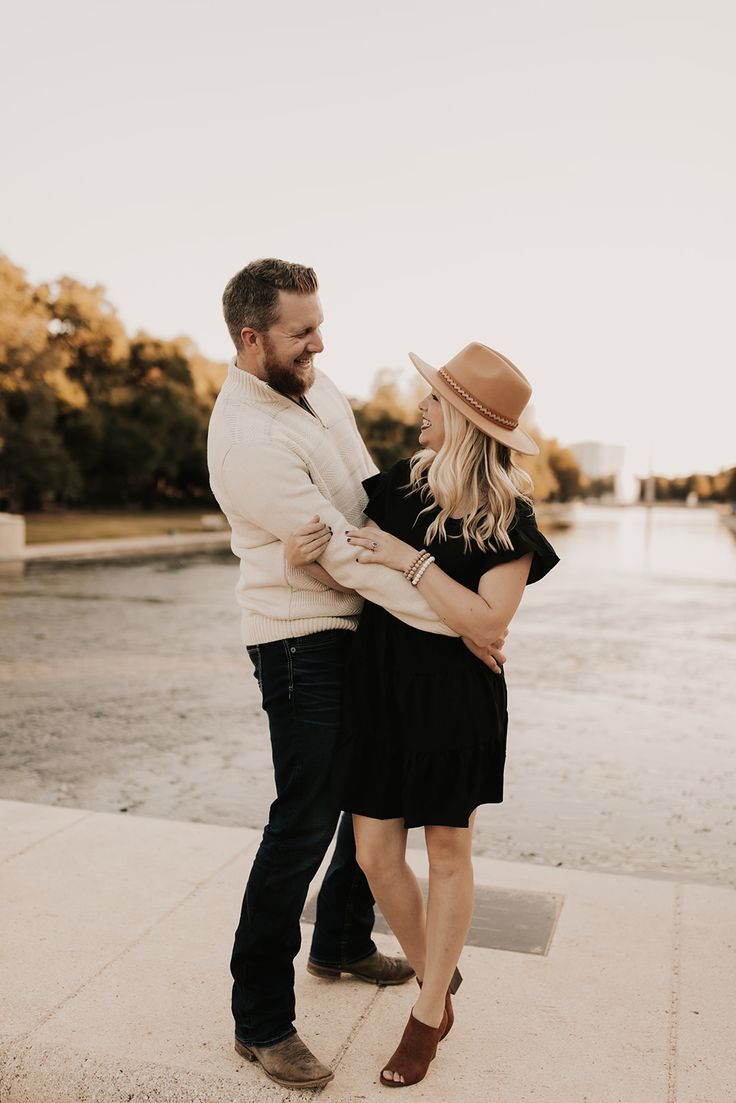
{"x": 414, "y": 1052}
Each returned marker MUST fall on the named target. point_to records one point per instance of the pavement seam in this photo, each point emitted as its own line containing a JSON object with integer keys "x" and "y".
{"x": 357, "y": 1027}
{"x": 674, "y": 1008}
{"x": 26, "y": 1034}
{"x": 45, "y": 838}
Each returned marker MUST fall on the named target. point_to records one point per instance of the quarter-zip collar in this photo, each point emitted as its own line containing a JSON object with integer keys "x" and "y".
{"x": 255, "y": 390}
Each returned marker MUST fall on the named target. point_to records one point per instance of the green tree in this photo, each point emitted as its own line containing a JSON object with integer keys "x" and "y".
{"x": 729, "y": 490}
{"x": 88, "y": 416}
{"x": 600, "y": 487}
{"x": 389, "y": 420}
{"x": 702, "y": 485}
{"x": 34, "y": 465}
{"x": 88, "y": 339}
{"x": 145, "y": 441}
{"x": 24, "y": 334}
{"x": 570, "y": 480}
{"x": 540, "y": 470}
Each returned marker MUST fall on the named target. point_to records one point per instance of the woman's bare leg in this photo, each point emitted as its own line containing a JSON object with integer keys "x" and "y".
{"x": 449, "y": 913}
{"x": 380, "y": 847}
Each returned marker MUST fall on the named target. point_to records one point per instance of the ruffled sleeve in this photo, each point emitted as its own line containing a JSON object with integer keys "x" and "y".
{"x": 526, "y": 537}
{"x": 376, "y": 489}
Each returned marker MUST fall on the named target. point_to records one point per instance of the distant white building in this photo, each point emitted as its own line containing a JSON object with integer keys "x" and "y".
{"x": 598, "y": 461}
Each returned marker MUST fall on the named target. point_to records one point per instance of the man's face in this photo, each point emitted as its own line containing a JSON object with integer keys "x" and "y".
{"x": 291, "y": 344}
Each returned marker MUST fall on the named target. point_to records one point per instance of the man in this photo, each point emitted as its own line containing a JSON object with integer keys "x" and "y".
{"x": 283, "y": 447}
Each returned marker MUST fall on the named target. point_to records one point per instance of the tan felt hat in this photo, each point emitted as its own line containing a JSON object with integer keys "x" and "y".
{"x": 488, "y": 389}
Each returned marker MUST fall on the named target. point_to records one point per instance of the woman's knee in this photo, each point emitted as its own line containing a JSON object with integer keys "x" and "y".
{"x": 448, "y": 850}
{"x": 380, "y": 850}
{"x": 378, "y": 862}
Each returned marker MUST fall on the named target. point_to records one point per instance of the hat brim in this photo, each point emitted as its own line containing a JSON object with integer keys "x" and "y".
{"x": 514, "y": 438}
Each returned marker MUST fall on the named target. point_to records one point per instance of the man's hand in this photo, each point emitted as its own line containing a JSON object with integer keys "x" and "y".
{"x": 492, "y": 656}
{"x": 306, "y": 544}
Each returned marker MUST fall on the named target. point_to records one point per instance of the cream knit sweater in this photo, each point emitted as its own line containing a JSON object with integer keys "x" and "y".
{"x": 273, "y": 466}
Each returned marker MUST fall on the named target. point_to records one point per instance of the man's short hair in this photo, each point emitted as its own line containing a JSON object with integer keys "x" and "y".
{"x": 251, "y": 297}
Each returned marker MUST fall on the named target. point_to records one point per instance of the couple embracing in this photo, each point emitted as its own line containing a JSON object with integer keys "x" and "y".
{"x": 374, "y": 609}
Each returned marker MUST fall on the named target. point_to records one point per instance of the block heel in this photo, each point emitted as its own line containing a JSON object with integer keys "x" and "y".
{"x": 455, "y": 983}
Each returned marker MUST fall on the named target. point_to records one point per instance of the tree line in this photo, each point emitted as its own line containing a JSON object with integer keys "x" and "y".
{"x": 92, "y": 417}
{"x": 708, "y": 488}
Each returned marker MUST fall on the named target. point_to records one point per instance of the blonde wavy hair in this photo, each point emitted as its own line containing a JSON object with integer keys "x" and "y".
{"x": 472, "y": 476}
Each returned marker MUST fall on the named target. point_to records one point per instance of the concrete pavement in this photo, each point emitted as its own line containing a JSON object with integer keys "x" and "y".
{"x": 114, "y": 943}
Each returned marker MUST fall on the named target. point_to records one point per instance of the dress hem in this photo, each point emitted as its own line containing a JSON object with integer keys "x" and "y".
{"x": 423, "y": 822}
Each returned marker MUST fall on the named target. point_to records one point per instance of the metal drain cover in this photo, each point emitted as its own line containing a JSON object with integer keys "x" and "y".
{"x": 503, "y": 919}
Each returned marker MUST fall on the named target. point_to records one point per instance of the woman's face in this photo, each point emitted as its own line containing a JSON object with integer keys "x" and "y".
{"x": 432, "y": 432}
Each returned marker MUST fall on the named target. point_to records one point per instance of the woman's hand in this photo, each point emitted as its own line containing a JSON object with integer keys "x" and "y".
{"x": 493, "y": 655}
{"x": 376, "y": 546}
{"x": 306, "y": 544}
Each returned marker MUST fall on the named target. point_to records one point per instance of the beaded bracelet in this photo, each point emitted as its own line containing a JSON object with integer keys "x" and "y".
{"x": 427, "y": 563}
{"x": 411, "y": 571}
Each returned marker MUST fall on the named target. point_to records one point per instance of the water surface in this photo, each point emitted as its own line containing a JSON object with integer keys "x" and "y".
{"x": 125, "y": 687}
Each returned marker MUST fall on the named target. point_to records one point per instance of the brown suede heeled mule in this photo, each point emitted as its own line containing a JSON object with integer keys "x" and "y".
{"x": 455, "y": 983}
{"x": 416, "y": 1049}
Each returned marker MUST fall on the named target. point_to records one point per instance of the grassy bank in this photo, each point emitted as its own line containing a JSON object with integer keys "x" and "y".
{"x": 51, "y": 528}
{"x": 70, "y": 525}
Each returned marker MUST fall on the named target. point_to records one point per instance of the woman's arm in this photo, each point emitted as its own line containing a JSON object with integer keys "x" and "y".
{"x": 481, "y": 617}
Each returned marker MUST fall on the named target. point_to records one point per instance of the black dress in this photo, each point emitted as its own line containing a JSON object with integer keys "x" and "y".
{"x": 423, "y": 731}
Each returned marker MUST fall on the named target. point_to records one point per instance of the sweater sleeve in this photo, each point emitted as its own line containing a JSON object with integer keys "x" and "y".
{"x": 268, "y": 484}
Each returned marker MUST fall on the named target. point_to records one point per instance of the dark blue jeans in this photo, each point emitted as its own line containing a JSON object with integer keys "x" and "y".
{"x": 301, "y": 685}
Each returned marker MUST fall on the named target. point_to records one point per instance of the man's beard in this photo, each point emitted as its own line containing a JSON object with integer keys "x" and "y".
{"x": 285, "y": 377}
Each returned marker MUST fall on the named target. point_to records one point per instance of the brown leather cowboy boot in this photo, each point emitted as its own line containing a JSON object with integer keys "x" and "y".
{"x": 377, "y": 968}
{"x": 289, "y": 1063}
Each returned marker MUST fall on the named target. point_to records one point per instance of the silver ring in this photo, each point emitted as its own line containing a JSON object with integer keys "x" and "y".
{"x": 374, "y": 545}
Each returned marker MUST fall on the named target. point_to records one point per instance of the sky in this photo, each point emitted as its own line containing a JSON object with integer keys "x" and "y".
{"x": 554, "y": 180}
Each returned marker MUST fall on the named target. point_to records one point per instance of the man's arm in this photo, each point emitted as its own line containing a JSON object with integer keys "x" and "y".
{"x": 269, "y": 485}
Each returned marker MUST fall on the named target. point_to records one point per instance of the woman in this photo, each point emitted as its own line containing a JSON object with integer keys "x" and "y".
{"x": 424, "y": 719}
